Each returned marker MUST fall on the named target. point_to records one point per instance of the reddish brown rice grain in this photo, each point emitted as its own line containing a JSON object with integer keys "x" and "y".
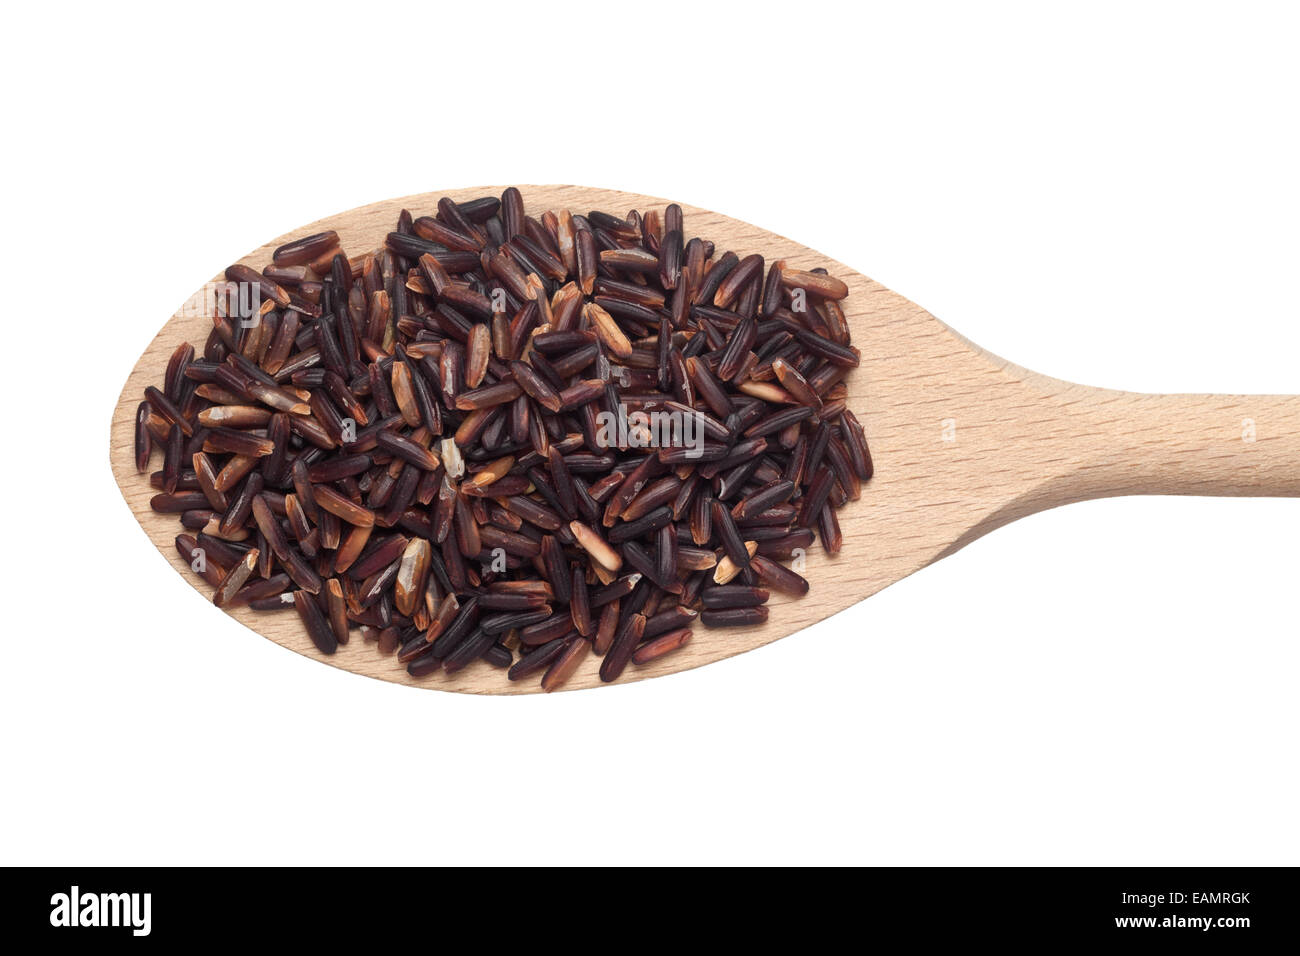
{"x": 823, "y": 285}
{"x": 664, "y": 644}
{"x": 566, "y": 663}
{"x": 351, "y": 512}
{"x": 188, "y": 548}
{"x": 234, "y": 578}
{"x": 605, "y": 627}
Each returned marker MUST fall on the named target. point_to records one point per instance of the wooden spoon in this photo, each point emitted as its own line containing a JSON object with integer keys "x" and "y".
{"x": 963, "y": 442}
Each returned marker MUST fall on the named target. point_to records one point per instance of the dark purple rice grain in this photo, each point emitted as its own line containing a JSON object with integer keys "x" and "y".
{"x": 458, "y": 630}
{"x": 479, "y": 210}
{"x": 241, "y": 506}
{"x": 498, "y": 655}
{"x": 737, "y": 280}
{"x": 302, "y": 573}
{"x": 421, "y": 666}
{"x": 732, "y": 596}
{"x": 856, "y": 442}
{"x": 614, "y": 591}
{"x": 708, "y": 387}
{"x": 407, "y": 450}
{"x": 313, "y": 619}
{"x": 196, "y": 520}
{"x": 378, "y": 554}
{"x": 666, "y": 559}
{"x": 657, "y": 494}
{"x": 196, "y": 557}
{"x": 636, "y": 600}
{"x": 224, "y": 553}
{"x": 534, "y": 513}
{"x": 606, "y": 626}
{"x": 828, "y": 526}
{"x": 779, "y": 420}
{"x": 500, "y": 623}
{"x": 413, "y": 647}
{"x": 670, "y": 258}
{"x": 511, "y": 601}
{"x": 172, "y": 458}
{"x": 279, "y": 602}
{"x": 672, "y": 220}
{"x": 668, "y": 620}
{"x": 580, "y": 603}
{"x": 712, "y": 279}
{"x": 469, "y": 650}
{"x": 650, "y": 521}
{"x": 620, "y": 652}
{"x": 143, "y": 440}
{"x": 756, "y": 503}
{"x": 815, "y": 496}
{"x": 374, "y": 587}
{"x": 728, "y": 534}
{"x": 261, "y": 590}
{"x": 777, "y": 576}
{"x": 640, "y": 561}
{"x": 161, "y": 404}
{"x": 555, "y": 568}
{"x": 734, "y": 617}
{"x": 186, "y": 480}
{"x": 536, "y": 659}
{"x": 306, "y": 249}
{"x": 269, "y": 526}
{"x": 832, "y": 352}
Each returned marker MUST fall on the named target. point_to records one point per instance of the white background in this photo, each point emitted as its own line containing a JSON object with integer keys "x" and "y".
{"x": 1108, "y": 195}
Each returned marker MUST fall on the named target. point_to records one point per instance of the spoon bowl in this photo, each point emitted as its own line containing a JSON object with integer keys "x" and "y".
{"x": 963, "y": 442}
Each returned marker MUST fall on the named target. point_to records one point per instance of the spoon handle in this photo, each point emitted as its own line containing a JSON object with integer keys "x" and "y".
{"x": 1126, "y": 443}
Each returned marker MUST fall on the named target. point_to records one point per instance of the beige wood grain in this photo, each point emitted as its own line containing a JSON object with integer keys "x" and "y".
{"x": 963, "y": 442}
